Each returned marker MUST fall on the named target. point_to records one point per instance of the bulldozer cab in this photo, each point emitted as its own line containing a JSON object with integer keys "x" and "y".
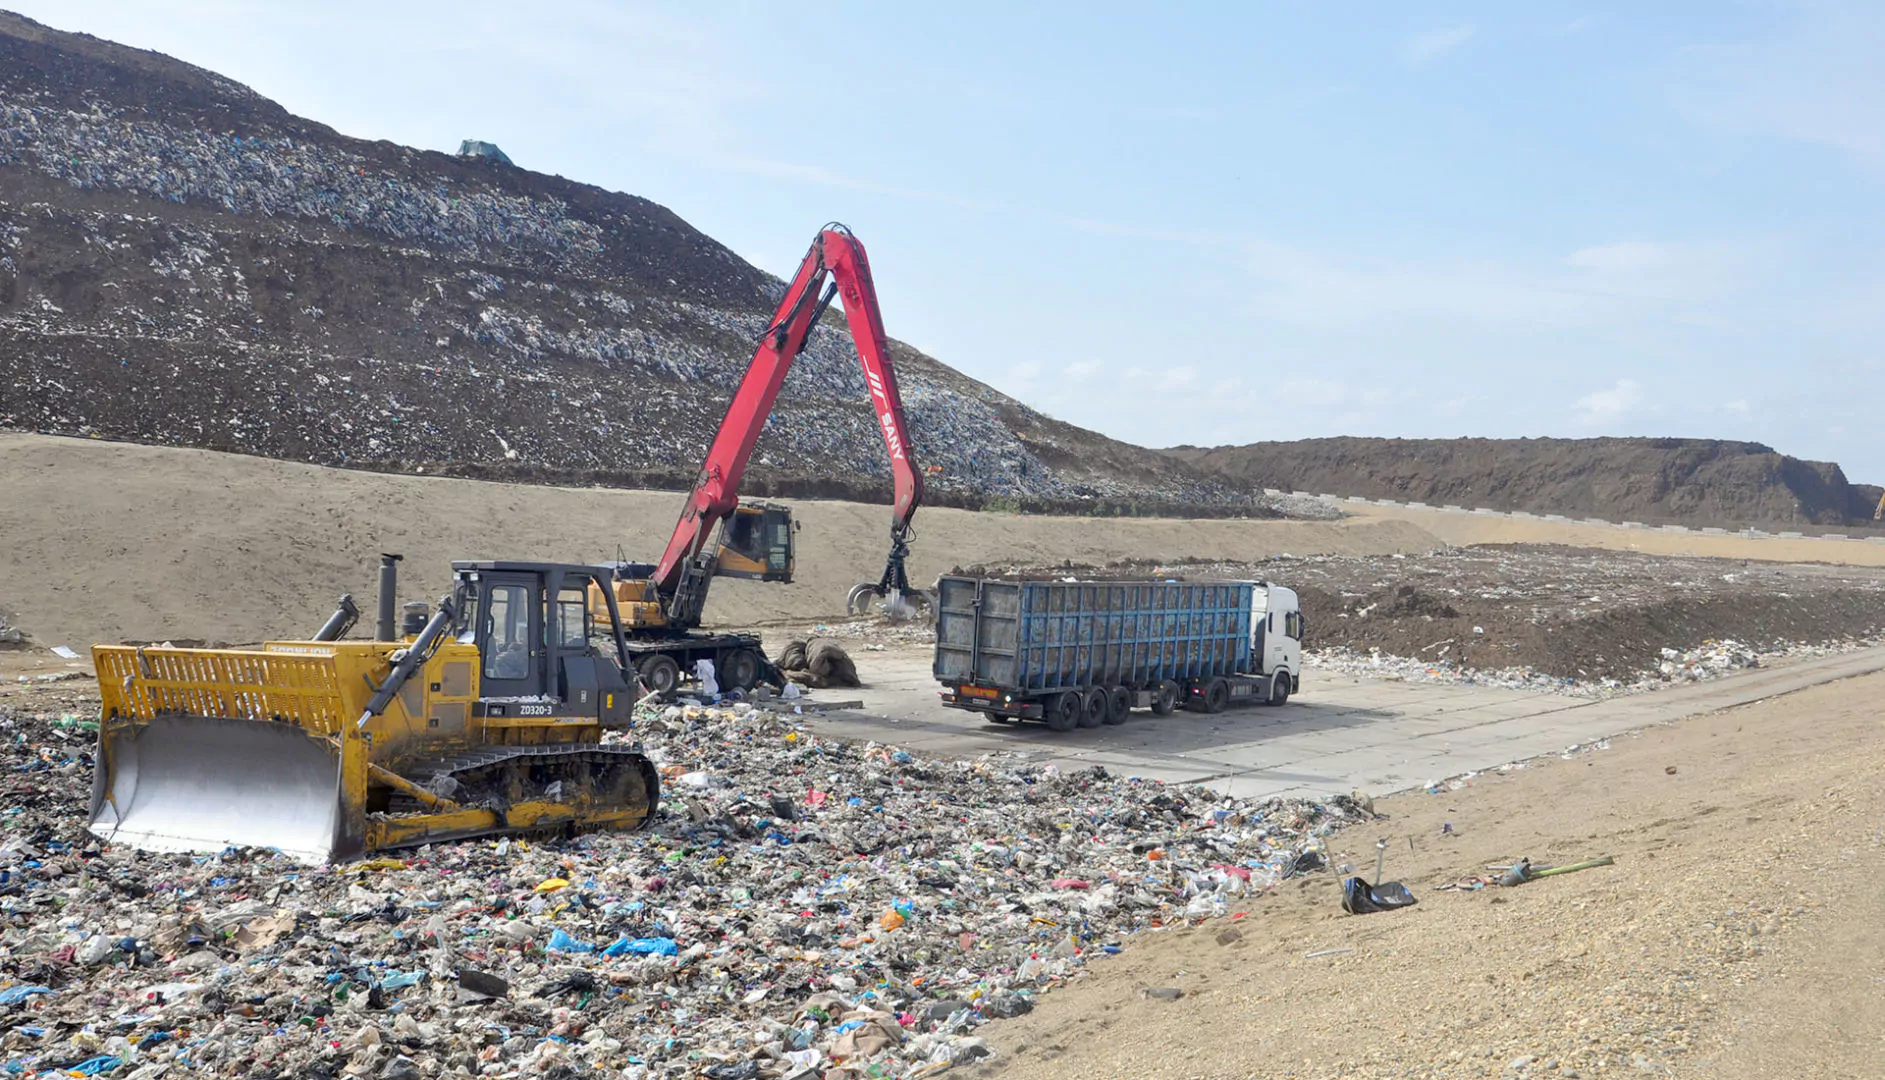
{"x": 538, "y": 638}
{"x": 756, "y": 542}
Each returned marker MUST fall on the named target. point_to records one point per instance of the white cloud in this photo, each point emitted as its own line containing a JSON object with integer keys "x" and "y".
{"x": 1817, "y": 80}
{"x": 1628, "y": 256}
{"x": 1162, "y": 380}
{"x": 1431, "y": 44}
{"x": 1738, "y": 405}
{"x": 1602, "y": 406}
{"x": 1081, "y": 370}
{"x": 1315, "y": 393}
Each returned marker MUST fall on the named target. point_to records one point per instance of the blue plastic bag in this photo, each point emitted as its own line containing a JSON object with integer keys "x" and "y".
{"x": 399, "y": 980}
{"x": 562, "y": 942}
{"x": 648, "y": 946}
{"x": 13, "y": 995}
{"x": 97, "y": 1066}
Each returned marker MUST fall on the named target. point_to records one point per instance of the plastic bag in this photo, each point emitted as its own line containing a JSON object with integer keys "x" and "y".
{"x": 1361, "y": 898}
{"x": 703, "y": 672}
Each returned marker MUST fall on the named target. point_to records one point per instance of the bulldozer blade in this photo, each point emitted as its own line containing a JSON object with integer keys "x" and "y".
{"x": 193, "y": 783}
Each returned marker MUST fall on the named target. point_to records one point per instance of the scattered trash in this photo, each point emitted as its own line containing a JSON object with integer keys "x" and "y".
{"x": 1325, "y": 952}
{"x": 64, "y": 652}
{"x": 755, "y": 904}
{"x": 1523, "y": 871}
{"x": 1669, "y": 770}
{"x": 482, "y": 984}
{"x": 1361, "y": 898}
{"x": 13, "y": 995}
{"x": 1164, "y": 993}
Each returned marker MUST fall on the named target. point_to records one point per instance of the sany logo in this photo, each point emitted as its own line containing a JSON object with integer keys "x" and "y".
{"x": 884, "y": 415}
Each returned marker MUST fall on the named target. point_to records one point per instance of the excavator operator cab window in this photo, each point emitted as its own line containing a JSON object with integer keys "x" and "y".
{"x": 779, "y": 552}
{"x": 572, "y": 619}
{"x": 743, "y": 532}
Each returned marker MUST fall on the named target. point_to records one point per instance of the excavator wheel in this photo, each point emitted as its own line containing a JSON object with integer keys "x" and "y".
{"x": 739, "y": 669}
{"x": 659, "y": 674}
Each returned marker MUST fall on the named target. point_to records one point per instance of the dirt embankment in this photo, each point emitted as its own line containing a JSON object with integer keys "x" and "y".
{"x": 1584, "y": 614}
{"x": 183, "y": 262}
{"x": 115, "y": 541}
{"x": 1735, "y": 936}
{"x": 1683, "y": 481}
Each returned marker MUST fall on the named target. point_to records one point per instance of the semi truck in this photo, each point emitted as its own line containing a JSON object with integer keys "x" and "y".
{"x": 1085, "y": 653}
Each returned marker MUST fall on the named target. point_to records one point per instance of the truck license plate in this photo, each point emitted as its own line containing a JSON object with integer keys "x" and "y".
{"x": 980, "y": 691}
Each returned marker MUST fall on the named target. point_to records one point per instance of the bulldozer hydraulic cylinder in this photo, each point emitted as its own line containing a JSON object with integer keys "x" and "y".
{"x": 411, "y": 659}
{"x": 341, "y": 621}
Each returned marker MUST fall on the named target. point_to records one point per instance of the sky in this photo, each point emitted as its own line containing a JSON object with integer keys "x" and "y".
{"x": 1212, "y": 223}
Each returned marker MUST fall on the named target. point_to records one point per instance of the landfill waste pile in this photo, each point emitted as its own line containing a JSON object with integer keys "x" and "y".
{"x": 805, "y": 907}
{"x": 11, "y": 635}
{"x": 184, "y": 262}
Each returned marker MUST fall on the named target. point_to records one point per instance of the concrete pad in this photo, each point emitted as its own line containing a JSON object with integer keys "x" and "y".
{"x": 1341, "y": 732}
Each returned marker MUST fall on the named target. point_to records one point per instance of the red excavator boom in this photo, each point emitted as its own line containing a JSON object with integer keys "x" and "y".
{"x": 681, "y": 576}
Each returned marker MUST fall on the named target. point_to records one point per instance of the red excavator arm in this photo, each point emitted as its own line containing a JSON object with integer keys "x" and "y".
{"x": 681, "y": 576}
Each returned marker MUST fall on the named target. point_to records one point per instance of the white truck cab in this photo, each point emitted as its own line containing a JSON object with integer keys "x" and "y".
{"x": 1276, "y": 633}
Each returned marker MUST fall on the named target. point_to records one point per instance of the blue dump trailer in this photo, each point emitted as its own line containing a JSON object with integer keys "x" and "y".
{"x": 1086, "y": 653}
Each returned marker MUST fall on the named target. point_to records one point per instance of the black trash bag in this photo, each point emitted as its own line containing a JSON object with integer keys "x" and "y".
{"x": 1361, "y": 898}
{"x": 1306, "y": 863}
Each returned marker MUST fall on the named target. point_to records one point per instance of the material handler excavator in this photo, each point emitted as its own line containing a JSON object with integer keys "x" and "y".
{"x": 661, "y": 603}
{"x": 488, "y": 714}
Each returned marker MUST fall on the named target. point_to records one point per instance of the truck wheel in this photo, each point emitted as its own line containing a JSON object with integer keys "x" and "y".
{"x": 1216, "y": 696}
{"x": 1164, "y": 698}
{"x": 1279, "y": 688}
{"x": 1118, "y": 705}
{"x": 1064, "y": 711}
{"x": 739, "y": 669}
{"x": 659, "y": 674}
{"x": 1093, "y": 707}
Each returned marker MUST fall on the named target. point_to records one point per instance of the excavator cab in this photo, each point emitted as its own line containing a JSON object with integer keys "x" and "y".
{"x": 756, "y": 542}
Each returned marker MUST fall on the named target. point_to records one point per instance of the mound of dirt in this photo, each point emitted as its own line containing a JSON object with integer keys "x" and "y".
{"x": 114, "y": 541}
{"x": 1571, "y": 613}
{"x": 183, "y": 262}
{"x": 1683, "y": 481}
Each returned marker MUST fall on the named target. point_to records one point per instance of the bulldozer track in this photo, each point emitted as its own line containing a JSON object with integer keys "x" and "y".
{"x": 605, "y": 778}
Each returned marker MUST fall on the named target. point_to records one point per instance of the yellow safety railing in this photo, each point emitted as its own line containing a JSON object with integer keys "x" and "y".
{"x": 239, "y": 684}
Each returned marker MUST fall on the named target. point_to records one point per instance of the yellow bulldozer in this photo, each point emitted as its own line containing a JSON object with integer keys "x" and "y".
{"x": 484, "y": 716}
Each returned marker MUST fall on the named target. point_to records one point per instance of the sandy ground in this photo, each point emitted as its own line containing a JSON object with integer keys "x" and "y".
{"x": 1462, "y": 529}
{"x": 1738, "y": 935}
{"x": 108, "y": 541}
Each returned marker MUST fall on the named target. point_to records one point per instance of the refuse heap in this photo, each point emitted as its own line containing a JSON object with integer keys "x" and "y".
{"x": 804, "y": 907}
